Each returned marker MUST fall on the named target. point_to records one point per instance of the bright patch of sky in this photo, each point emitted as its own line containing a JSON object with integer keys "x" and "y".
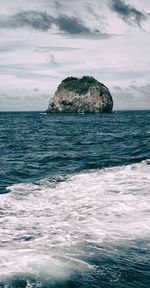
{"x": 45, "y": 41}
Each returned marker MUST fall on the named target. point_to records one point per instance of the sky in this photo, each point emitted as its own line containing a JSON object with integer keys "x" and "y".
{"x": 45, "y": 41}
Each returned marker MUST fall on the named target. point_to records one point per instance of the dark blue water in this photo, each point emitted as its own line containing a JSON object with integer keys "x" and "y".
{"x": 75, "y": 195}
{"x": 34, "y": 145}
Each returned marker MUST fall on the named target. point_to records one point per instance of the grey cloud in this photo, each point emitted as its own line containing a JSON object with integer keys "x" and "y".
{"x": 43, "y": 21}
{"x": 131, "y": 97}
{"x": 33, "y": 19}
{"x": 141, "y": 91}
{"x": 47, "y": 49}
{"x": 136, "y": 91}
{"x": 117, "y": 88}
{"x": 58, "y": 5}
{"x": 51, "y": 59}
{"x": 5, "y": 49}
{"x": 32, "y": 97}
{"x": 101, "y": 19}
{"x": 72, "y": 25}
{"x": 26, "y": 71}
{"x": 11, "y": 46}
{"x": 92, "y": 12}
{"x": 5, "y": 97}
{"x": 127, "y": 12}
{"x": 24, "y": 102}
{"x": 37, "y": 98}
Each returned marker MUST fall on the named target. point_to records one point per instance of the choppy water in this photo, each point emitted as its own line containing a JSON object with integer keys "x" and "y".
{"x": 75, "y": 200}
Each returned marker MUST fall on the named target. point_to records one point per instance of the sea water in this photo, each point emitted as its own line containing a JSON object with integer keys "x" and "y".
{"x": 75, "y": 200}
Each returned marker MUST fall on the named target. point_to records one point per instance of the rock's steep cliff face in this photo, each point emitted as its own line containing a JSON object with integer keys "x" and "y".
{"x": 84, "y": 95}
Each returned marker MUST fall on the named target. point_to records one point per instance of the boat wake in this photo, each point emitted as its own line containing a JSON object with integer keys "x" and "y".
{"x": 52, "y": 232}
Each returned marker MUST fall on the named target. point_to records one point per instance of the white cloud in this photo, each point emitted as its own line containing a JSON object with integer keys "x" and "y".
{"x": 32, "y": 59}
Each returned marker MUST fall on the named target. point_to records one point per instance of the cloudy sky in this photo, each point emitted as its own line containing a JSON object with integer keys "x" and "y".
{"x": 45, "y": 41}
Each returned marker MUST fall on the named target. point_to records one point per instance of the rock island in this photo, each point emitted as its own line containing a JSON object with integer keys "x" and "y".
{"x": 81, "y": 95}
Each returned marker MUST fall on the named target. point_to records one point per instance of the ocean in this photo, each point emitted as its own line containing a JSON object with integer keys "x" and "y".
{"x": 75, "y": 200}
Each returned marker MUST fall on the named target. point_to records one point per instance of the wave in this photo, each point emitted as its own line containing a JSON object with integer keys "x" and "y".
{"x": 50, "y": 230}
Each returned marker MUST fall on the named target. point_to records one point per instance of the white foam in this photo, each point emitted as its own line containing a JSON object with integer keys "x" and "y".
{"x": 45, "y": 225}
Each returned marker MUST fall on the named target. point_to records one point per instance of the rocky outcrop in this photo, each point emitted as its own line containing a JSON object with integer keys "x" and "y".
{"x": 83, "y": 95}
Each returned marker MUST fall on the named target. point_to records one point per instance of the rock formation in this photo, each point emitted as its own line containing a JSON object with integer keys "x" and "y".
{"x": 83, "y": 95}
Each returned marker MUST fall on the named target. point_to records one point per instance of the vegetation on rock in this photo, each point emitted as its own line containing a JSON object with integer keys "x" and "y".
{"x": 78, "y": 85}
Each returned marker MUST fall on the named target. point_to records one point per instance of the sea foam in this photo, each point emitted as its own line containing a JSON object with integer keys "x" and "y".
{"x": 45, "y": 229}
